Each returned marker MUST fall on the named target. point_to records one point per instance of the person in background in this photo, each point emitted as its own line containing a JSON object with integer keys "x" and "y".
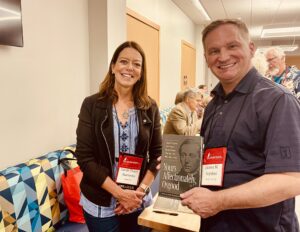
{"x": 251, "y": 133}
{"x": 179, "y": 97}
{"x": 279, "y": 72}
{"x": 204, "y": 101}
{"x": 203, "y": 89}
{"x": 183, "y": 119}
{"x": 206, "y": 96}
{"x": 199, "y": 107}
{"x": 120, "y": 118}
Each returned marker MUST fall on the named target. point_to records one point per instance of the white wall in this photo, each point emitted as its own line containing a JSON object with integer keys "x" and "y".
{"x": 43, "y": 84}
{"x": 107, "y": 30}
{"x": 98, "y": 42}
{"x": 175, "y": 26}
{"x": 117, "y": 32}
{"x": 201, "y": 70}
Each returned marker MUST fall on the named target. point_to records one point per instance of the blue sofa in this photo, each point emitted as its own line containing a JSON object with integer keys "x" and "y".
{"x": 31, "y": 197}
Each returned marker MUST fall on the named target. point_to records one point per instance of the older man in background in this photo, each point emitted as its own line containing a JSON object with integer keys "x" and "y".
{"x": 183, "y": 119}
{"x": 279, "y": 72}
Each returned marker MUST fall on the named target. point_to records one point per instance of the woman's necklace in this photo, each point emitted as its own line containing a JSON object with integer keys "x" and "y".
{"x": 125, "y": 114}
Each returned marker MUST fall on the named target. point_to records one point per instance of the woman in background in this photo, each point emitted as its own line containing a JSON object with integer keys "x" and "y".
{"x": 121, "y": 118}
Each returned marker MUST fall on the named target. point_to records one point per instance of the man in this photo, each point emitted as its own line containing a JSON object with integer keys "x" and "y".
{"x": 203, "y": 89}
{"x": 189, "y": 154}
{"x": 279, "y": 72}
{"x": 179, "y": 97}
{"x": 251, "y": 134}
{"x": 183, "y": 119}
{"x": 205, "y": 96}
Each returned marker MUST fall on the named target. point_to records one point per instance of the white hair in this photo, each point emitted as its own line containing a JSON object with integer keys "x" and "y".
{"x": 276, "y": 51}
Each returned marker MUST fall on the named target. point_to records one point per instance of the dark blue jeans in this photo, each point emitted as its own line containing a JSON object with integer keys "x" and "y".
{"x": 122, "y": 223}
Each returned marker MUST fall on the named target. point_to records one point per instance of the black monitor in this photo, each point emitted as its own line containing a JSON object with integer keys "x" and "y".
{"x": 11, "y": 32}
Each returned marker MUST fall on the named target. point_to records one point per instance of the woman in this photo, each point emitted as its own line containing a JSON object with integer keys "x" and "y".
{"x": 119, "y": 120}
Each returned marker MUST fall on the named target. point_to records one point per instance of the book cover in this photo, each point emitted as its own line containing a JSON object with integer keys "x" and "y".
{"x": 180, "y": 169}
{"x": 180, "y": 165}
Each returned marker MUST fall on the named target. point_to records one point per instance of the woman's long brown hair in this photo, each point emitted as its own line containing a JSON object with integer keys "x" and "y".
{"x": 139, "y": 92}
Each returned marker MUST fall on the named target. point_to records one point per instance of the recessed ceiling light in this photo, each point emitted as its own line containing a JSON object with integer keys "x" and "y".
{"x": 280, "y": 31}
{"x": 198, "y": 4}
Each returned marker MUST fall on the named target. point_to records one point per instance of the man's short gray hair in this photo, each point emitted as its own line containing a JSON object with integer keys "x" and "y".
{"x": 190, "y": 93}
{"x": 242, "y": 27}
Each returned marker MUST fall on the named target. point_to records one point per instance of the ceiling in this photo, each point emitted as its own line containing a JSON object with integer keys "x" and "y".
{"x": 255, "y": 13}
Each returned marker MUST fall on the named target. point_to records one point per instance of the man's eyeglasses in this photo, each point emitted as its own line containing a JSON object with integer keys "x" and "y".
{"x": 271, "y": 59}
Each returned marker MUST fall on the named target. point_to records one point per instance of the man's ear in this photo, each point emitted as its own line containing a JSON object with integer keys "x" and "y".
{"x": 252, "y": 48}
{"x": 206, "y": 59}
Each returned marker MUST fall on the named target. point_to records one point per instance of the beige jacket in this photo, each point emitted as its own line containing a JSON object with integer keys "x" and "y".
{"x": 180, "y": 121}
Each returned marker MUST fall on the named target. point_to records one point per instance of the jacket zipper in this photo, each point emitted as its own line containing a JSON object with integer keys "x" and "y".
{"x": 111, "y": 166}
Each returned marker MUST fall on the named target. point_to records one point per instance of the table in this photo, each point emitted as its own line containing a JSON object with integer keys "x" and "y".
{"x": 165, "y": 222}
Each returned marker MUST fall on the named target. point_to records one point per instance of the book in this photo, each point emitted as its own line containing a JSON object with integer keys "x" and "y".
{"x": 180, "y": 171}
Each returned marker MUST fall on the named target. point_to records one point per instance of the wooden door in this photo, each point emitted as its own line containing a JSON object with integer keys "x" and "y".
{"x": 188, "y": 65}
{"x": 293, "y": 60}
{"x": 146, "y": 33}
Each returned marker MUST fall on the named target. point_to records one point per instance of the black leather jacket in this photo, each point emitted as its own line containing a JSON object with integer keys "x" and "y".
{"x": 95, "y": 145}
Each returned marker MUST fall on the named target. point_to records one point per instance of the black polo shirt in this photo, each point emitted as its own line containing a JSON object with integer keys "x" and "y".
{"x": 259, "y": 123}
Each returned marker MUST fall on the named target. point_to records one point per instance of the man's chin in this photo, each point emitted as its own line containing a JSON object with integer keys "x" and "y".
{"x": 274, "y": 72}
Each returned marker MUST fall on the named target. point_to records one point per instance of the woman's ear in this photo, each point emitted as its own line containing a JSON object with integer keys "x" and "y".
{"x": 112, "y": 69}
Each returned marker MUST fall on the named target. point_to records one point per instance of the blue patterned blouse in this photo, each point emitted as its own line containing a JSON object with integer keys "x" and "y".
{"x": 125, "y": 136}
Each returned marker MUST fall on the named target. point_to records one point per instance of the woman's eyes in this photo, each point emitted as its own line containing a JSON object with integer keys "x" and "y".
{"x": 123, "y": 61}
{"x": 135, "y": 64}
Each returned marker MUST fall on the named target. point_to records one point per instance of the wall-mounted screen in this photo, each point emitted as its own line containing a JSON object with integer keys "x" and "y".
{"x": 11, "y": 32}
